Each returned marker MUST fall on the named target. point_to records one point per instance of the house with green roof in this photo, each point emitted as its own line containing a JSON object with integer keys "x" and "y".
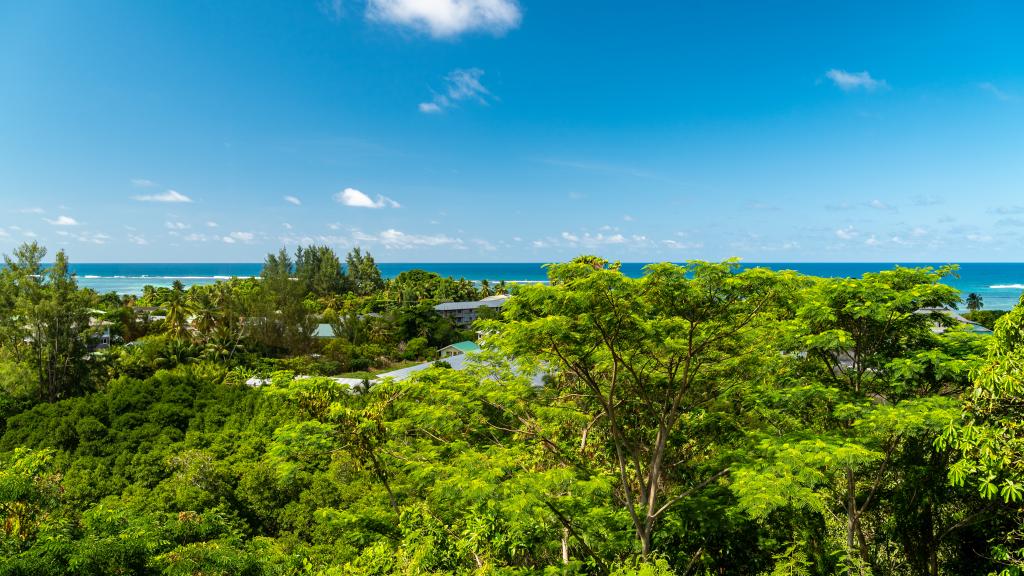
{"x": 458, "y": 348}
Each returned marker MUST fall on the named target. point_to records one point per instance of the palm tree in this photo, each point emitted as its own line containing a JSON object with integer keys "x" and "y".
{"x": 975, "y": 302}
{"x": 177, "y": 306}
{"x": 206, "y": 313}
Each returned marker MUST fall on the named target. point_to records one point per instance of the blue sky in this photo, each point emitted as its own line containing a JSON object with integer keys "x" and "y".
{"x": 503, "y": 130}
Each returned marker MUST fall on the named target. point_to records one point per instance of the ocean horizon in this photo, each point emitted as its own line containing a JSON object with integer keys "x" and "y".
{"x": 999, "y": 283}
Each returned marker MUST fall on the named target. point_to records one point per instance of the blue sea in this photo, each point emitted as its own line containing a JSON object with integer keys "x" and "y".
{"x": 1000, "y": 284}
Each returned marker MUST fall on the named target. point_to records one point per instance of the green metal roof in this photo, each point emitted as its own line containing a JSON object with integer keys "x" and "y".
{"x": 465, "y": 346}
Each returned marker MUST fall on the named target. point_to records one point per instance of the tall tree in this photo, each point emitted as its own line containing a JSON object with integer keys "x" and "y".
{"x": 651, "y": 361}
{"x": 868, "y": 388}
{"x": 178, "y": 310}
{"x": 279, "y": 317}
{"x": 57, "y": 317}
{"x": 362, "y": 273}
{"x": 21, "y": 280}
{"x": 319, "y": 271}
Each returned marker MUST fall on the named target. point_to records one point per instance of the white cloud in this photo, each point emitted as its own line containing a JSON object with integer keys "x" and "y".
{"x": 979, "y": 237}
{"x": 4, "y": 233}
{"x": 211, "y": 224}
{"x": 293, "y": 200}
{"x": 286, "y": 225}
{"x": 628, "y": 218}
{"x": 397, "y": 239}
{"x": 485, "y": 245}
{"x": 594, "y": 240}
{"x": 848, "y": 81}
{"x": 460, "y": 85}
{"x": 357, "y": 199}
{"x": 143, "y": 183}
{"x": 847, "y": 233}
{"x": 447, "y": 18}
{"x": 168, "y": 196}
{"x": 137, "y": 239}
{"x": 879, "y": 205}
{"x": 430, "y": 107}
{"x": 676, "y": 245}
{"x": 63, "y": 221}
{"x": 872, "y": 241}
{"x": 239, "y": 236}
{"x": 228, "y": 240}
{"x": 196, "y": 237}
{"x": 31, "y": 211}
{"x": 176, "y": 225}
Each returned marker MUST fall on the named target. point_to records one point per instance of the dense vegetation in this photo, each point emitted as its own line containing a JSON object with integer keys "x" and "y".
{"x": 697, "y": 420}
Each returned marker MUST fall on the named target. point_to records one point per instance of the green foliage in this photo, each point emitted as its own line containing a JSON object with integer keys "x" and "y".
{"x": 697, "y": 420}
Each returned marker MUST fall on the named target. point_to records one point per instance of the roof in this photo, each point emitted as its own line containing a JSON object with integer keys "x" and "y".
{"x": 324, "y": 331}
{"x": 464, "y": 346}
{"x": 457, "y": 362}
{"x": 490, "y": 302}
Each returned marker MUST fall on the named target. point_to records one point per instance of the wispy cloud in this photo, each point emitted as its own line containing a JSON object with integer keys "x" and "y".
{"x": 176, "y": 225}
{"x": 62, "y": 221}
{"x": 333, "y": 9}
{"x": 603, "y": 168}
{"x": 447, "y": 18}
{"x": 1014, "y": 209}
{"x": 849, "y": 81}
{"x": 926, "y": 200}
{"x": 137, "y": 239}
{"x": 172, "y": 196}
{"x": 875, "y": 204}
{"x": 293, "y": 200}
{"x": 358, "y": 199}
{"x": 461, "y": 85}
{"x": 31, "y": 211}
{"x": 994, "y": 90}
{"x": 143, "y": 183}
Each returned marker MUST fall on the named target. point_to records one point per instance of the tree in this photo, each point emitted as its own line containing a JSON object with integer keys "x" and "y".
{"x": 178, "y": 311}
{"x": 867, "y": 388}
{"x": 278, "y": 316}
{"x": 362, "y": 273}
{"x": 319, "y": 271}
{"x": 56, "y": 314}
{"x": 21, "y": 280}
{"x": 975, "y": 302}
{"x": 651, "y": 361}
{"x": 987, "y": 439}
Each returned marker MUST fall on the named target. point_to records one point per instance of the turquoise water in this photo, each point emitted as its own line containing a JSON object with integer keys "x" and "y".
{"x": 1000, "y": 284}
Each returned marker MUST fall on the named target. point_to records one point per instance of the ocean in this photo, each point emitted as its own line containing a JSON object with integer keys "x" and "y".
{"x": 999, "y": 284}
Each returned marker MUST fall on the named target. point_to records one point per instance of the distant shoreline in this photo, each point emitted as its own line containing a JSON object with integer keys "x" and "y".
{"x": 999, "y": 284}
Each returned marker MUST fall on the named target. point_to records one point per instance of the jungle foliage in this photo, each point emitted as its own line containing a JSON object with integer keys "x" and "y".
{"x": 701, "y": 419}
